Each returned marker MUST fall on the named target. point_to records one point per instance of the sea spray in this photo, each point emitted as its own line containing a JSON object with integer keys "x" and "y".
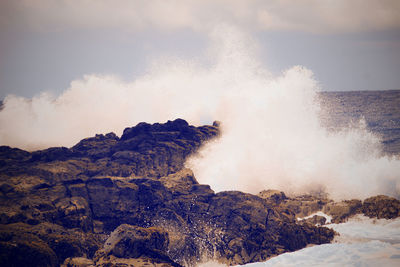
{"x": 271, "y": 132}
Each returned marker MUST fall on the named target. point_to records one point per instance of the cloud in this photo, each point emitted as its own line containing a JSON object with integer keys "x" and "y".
{"x": 317, "y": 16}
{"x": 271, "y": 133}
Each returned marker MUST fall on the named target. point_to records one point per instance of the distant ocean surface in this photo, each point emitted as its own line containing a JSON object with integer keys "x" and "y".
{"x": 380, "y": 109}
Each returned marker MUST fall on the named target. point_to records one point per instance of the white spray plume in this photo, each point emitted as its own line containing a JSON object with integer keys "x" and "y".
{"x": 271, "y": 133}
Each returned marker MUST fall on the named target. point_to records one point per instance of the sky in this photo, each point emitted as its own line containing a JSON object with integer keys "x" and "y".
{"x": 47, "y": 44}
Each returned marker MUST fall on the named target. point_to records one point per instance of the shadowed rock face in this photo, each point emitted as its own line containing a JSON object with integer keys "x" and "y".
{"x": 381, "y": 207}
{"x": 133, "y": 242}
{"x": 62, "y": 204}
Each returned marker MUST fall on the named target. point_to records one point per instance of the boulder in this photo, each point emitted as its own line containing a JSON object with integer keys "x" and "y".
{"x": 341, "y": 211}
{"x": 78, "y": 262}
{"x": 43, "y": 244}
{"x": 316, "y": 220}
{"x": 133, "y": 242}
{"x": 381, "y": 207}
{"x": 304, "y": 205}
{"x": 275, "y": 196}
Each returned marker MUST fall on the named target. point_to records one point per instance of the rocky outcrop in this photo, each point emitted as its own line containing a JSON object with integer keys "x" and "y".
{"x": 43, "y": 244}
{"x": 304, "y": 205}
{"x": 381, "y": 207}
{"x": 61, "y": 204}
{"x": 341, "y": 211}
{"x": 252, "y": 230}
{"x": 133, "y": 242}
{"x": 151, "y": 150}
{"x": 273, "y": 196}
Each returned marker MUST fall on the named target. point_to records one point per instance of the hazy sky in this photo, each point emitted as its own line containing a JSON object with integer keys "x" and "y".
{"x": 46, "y": 44}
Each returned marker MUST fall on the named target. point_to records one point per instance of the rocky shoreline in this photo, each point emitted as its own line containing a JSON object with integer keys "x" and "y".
{"x": 129, "y": 201}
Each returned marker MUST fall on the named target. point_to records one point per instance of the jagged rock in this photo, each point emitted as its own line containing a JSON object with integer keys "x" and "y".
{"x": 97, "y": 147}
{"x": 52, "y": 154}
{"x": 374, "y": 207}
{"x": 152, "y": 150}
{"x": 78, "y": 262}
{"x": 316, "y": 220}
{"x": 25, "y": 250}
{"x": 259, "y": 231}
{"x": 179, "y": 181}
{"x": 275, "y": 196}
{"x": 43, "y": 244}
{"x": 131, "y": 262}
{"x": 381, "y": 207}
{"x": 8, "y": 153}
{"x": 71, "y": 199}
{"x": 341, "y": 211}
{"x": 304, "y": 205}
{"x": 129, "y": 241}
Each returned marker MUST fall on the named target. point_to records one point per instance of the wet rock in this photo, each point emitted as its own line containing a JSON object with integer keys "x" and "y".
{"x": 381, "y": 207}
{"x": 341, "y": 211}
{"x": 129, "y": 242}
{"x": 316, "y": 220}
{"x": 53, "y": 154}
{"x": 25, "y": 250}
{"x": 259, "y": 229}
{"x": 304, "y": 205}
{"x": 78, "y": 262}
{"x": 182, "y": 180}
{"x": 96, "y": 147}
{"x": 43, "y": 244}
{"x": 69, "y": 200}
{"x": 8, "y": 154}
{"x": 275, "y": 196}
{"x": 152, "y": 150}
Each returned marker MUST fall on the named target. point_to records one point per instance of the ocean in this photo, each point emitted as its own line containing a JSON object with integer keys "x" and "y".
{"x": 379, "y": 109}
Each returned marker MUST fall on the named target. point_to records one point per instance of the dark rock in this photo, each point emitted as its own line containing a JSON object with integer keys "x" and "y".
{"x": 8, "y": 153}
{"x": 69, "y": 200}
{"x": 152, "y": 150}
{"x": 273, "y": 196}
{"x": 216, "y": 123}
{"x": 97, "y": 147}
{"x": 78, "y": 262}
{"x": 381, "y": 207}
{"x": 304, "y": 205}
{"x": 260, "y": 230}
{"x": 341, "y": 211}
{"x": 129, "y": 241}
{"x": 52, "y": 154}
{"x": 316, "y": 220}
{"x": 42, "y": 245}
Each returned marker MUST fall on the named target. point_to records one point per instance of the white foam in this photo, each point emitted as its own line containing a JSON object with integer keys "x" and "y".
{"x": 361, "y": 227}
{"x": 373, "y": 253}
